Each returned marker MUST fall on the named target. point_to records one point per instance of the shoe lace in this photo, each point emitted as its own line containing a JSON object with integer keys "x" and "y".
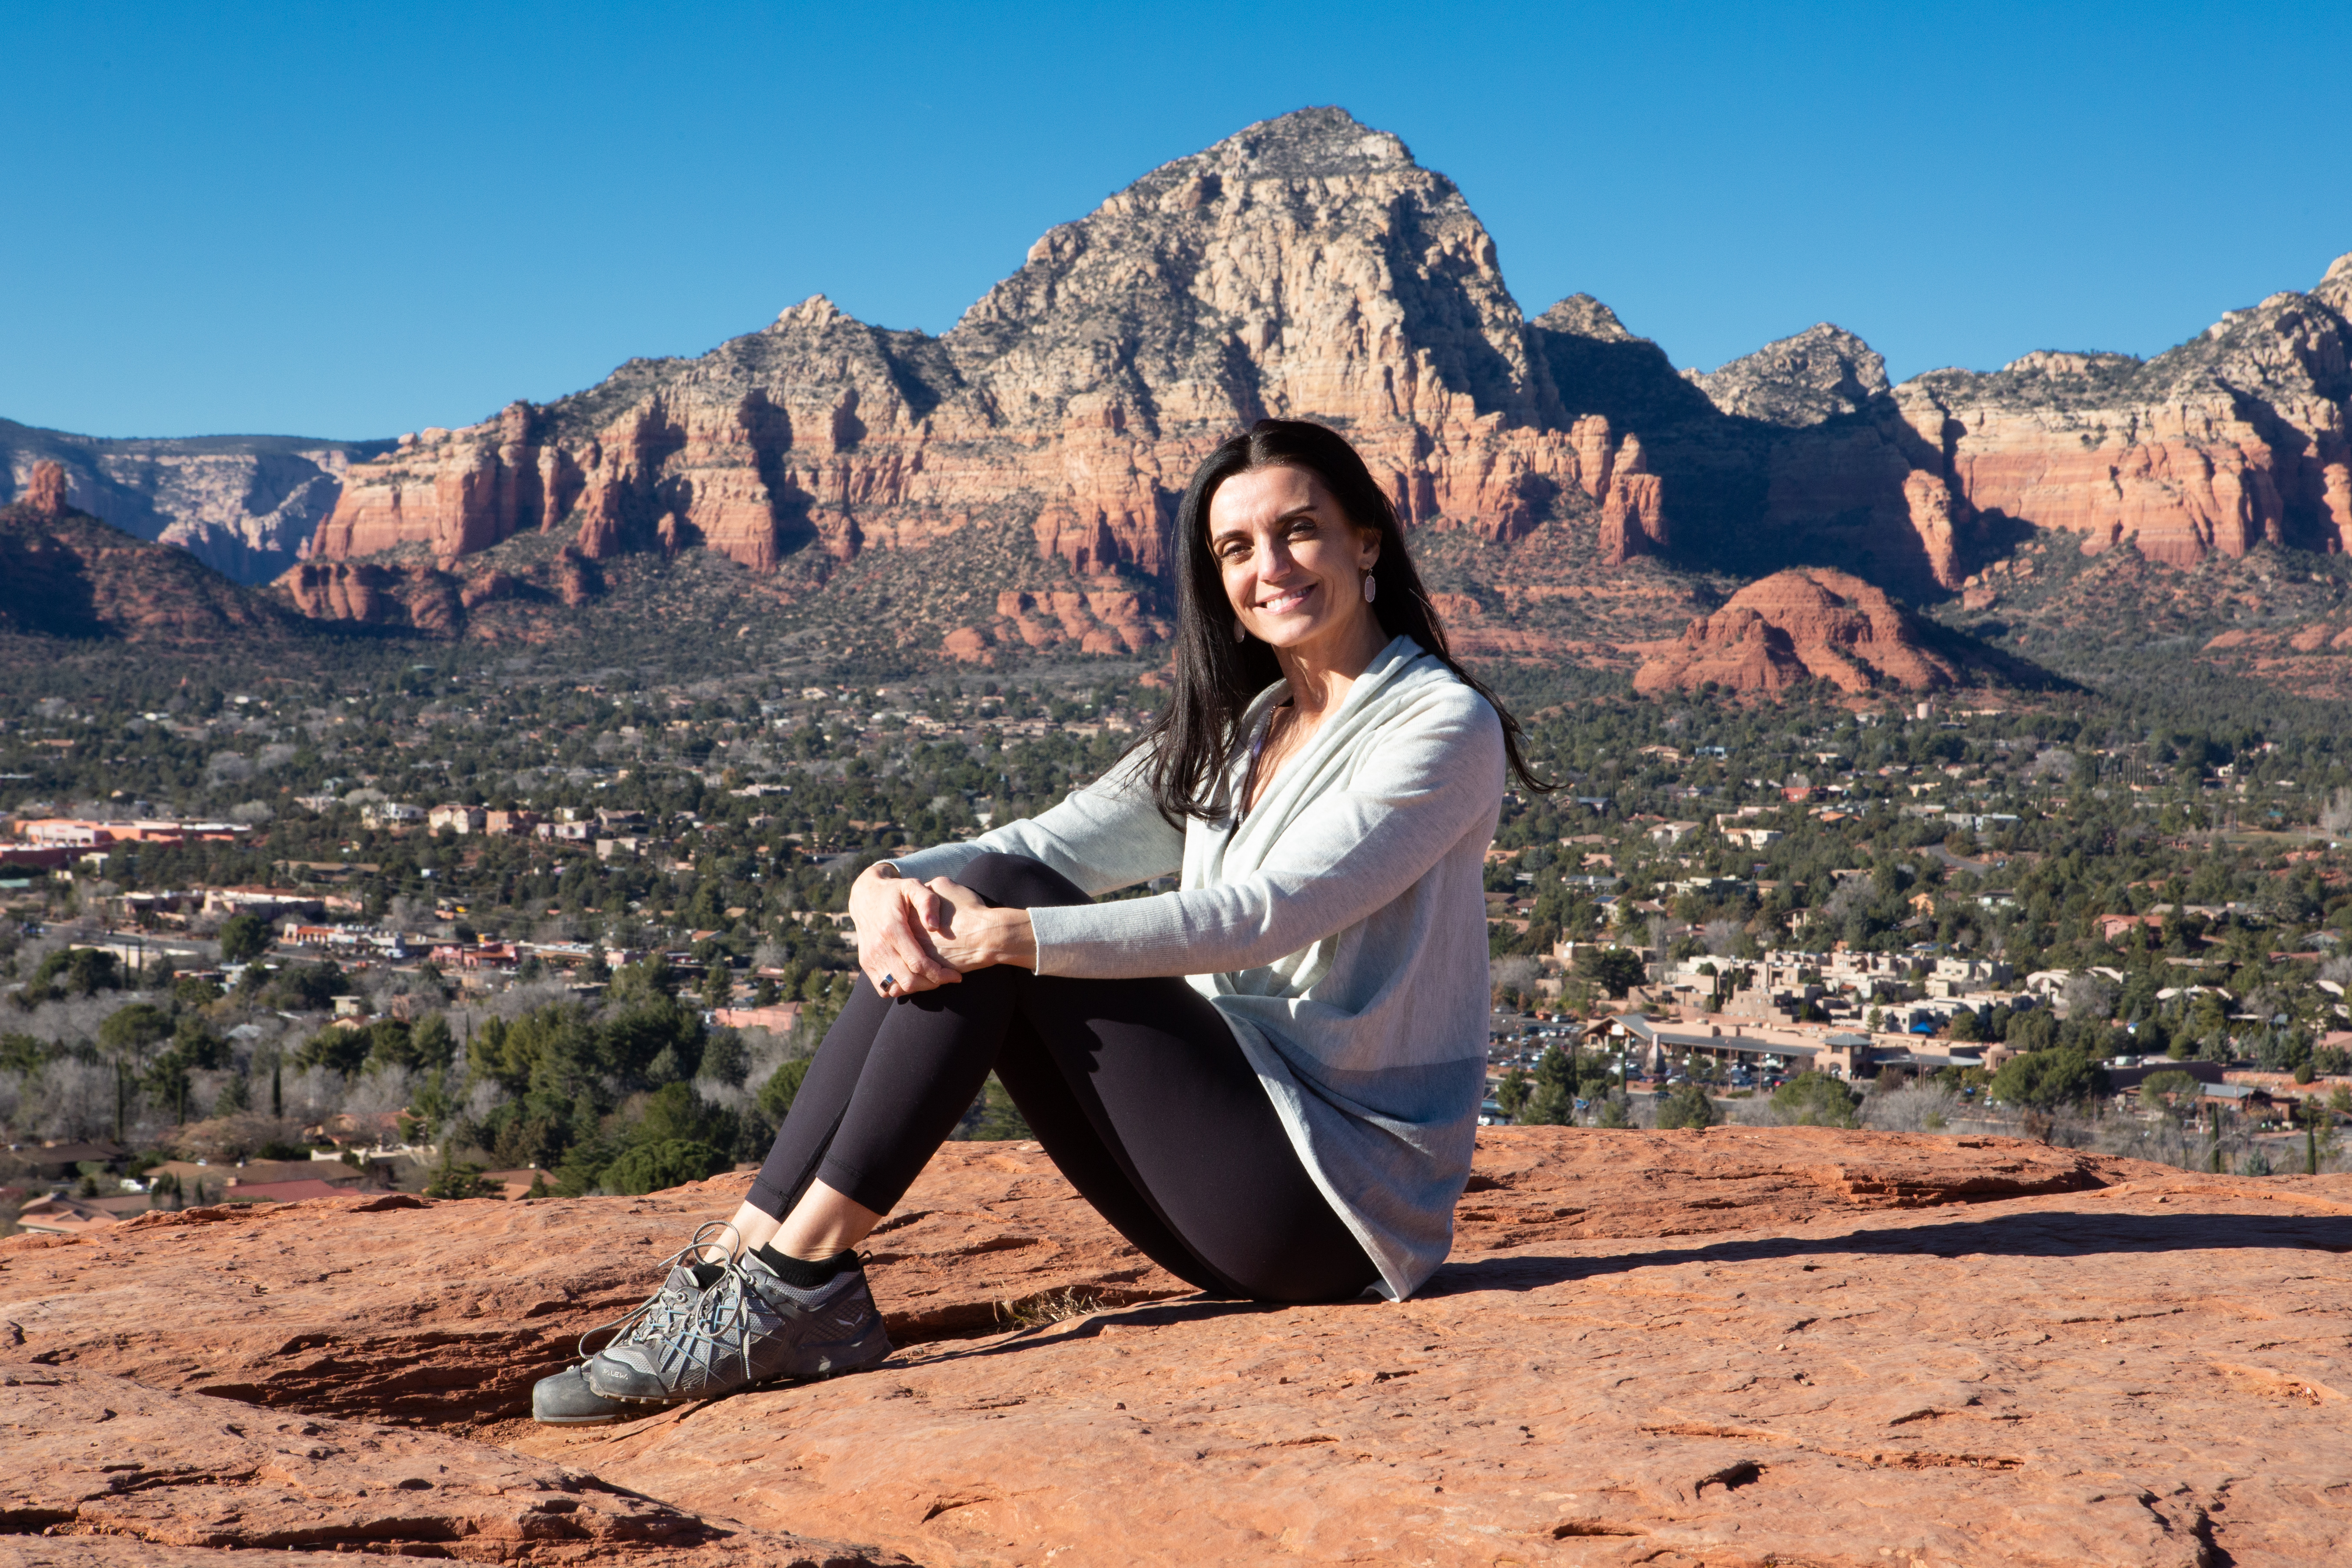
{"x": 658, "y": 1313}
{"x": 722, "y": 1320}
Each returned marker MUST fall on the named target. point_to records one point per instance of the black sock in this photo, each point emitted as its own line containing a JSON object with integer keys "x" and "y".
{"x": 802, "y": 1274}
{"x": 706, "y": 1275}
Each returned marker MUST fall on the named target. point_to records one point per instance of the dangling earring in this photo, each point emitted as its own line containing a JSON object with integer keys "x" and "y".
{"x": 1370, "y": 587}
{"x": 1239, "y": 635}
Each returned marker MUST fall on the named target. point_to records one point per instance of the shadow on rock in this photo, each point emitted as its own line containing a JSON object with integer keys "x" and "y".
{"x": 2060, "y": 1234}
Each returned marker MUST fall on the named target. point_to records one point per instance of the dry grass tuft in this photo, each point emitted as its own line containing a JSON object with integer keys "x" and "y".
{"x": 1048, "y": 1307}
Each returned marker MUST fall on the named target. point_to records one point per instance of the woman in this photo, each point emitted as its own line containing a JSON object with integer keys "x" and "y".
{"x": 1268, "y": 1080}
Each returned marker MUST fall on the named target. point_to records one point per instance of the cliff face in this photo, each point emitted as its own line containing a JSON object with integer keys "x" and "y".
{"x": 243, "y": 505}
{"x": 2235, "y": 438}
{"x": 65, "y": 574}
{"x": 1308, "y": 266}
{"x": 1305, "y": 267}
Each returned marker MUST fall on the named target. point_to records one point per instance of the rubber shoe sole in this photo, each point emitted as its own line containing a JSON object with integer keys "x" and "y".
{"x": 566, "y": 1400}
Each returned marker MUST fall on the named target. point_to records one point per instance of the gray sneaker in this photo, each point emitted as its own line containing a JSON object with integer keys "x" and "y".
{"x": 749, "y": 1328}
{"x": 566, "y": 1400}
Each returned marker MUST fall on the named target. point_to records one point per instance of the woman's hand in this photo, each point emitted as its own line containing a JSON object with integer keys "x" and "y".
{"x": 900, "y": 924}
{"x": 977, "y": 935}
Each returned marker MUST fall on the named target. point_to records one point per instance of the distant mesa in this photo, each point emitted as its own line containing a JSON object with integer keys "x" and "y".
{"x": 1808, "y": 624}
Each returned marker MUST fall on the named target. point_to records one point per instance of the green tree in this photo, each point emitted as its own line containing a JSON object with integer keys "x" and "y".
{"x": 1688, "y": 1106}
{"x": 724, "y": 1056}
{"x": 244, "y": 938}
{"x": 783, "y": 1085}
{"x": 1511, "y": 1094}
{"x": 1553, "y": 1102}
{"x": 2045, "y": 1079}
{"x": 1614, "y": 970}
{"x": 431, "y": 1041}
{"x": 657, "y": 1167}
{"x": 460, "y": 1180}
{"x": 130, "y": 1031}
{"x": 2158, "y": 1090}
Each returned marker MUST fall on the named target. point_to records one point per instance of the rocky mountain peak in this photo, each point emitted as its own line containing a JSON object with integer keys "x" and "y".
{"x": 816, "y": 310}
{"x": 1586, "y": 317}
{"x": 1817, "y": 374}
{"x": 1321, "y": 143}
{"x": 2334, "y": 289}
{"x": 1350, "y": 281}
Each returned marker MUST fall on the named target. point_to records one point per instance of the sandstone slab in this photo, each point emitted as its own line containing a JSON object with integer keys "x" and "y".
{"x": 124, "y": 1472}
{"x": 1738, "y": 1346}
{"x": 394, "y": 1306}
{"x": 2153, "y": 1373}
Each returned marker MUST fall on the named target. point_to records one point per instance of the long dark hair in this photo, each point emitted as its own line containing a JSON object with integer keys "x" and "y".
{"x": 1195, "y": 734}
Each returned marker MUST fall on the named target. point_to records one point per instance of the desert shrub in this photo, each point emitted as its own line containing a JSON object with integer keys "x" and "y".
{"x": 1814, "y": 1100}
{"x": 1914, "y": 1108}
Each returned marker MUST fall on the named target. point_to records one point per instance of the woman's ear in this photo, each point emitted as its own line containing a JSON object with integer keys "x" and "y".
{"x": 1367, "y": 548}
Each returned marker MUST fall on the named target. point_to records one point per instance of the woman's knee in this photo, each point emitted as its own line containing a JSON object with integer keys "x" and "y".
{"x": 1018, "y": 882}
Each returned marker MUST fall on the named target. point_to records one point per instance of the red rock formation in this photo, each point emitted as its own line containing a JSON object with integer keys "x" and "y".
{"x": 48, "y": 494}
{"x": 1304, "y": 267}
{"x": 1308, "y": 266}
{"x": 2234, "y": 439}
{"x": 1812, "y": 623}
{"x": 1732, "y": 1347}
{"x": 1633, "y": 516}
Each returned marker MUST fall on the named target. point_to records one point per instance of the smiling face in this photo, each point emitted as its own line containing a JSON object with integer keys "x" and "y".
{"x": 1292, "y": 564}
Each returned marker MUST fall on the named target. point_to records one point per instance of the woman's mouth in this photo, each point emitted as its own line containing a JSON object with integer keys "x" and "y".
{"x": 1285, "y": 602}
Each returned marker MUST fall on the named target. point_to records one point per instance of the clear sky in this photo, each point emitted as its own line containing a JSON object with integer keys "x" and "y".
{"x": 353, "y": 220}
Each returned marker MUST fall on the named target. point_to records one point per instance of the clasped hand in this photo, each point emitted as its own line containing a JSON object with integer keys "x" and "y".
{"x": 916, "y": 936}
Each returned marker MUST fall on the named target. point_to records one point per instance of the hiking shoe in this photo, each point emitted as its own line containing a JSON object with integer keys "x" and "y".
{"x": 566, "y": 1400}
{"x": 747, "y": 1329}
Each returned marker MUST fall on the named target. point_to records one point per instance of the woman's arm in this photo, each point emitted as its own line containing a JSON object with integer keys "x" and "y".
{"x": 1105, "y": 836}
{"x": 1437, "y": 774}
{"x": 914, "y": 932}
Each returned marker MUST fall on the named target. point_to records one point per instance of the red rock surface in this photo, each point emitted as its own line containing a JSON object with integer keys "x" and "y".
{"x": 112, "y": 1471}
{"x": 1737, "y": 1347}
{"x": 1809, "y": 623}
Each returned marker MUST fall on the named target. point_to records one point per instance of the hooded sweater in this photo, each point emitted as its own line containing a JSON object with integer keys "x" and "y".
{"x": 1339, "y": 926}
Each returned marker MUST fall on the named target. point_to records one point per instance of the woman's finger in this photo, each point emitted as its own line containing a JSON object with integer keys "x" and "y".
{"x": 907, "y": 955}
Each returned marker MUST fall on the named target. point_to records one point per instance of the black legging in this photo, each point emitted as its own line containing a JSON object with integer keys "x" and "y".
{"x": 1136, "y": 1088}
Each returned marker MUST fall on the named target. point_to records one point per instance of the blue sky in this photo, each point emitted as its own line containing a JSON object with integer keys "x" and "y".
{"x": 350, "y": 220}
